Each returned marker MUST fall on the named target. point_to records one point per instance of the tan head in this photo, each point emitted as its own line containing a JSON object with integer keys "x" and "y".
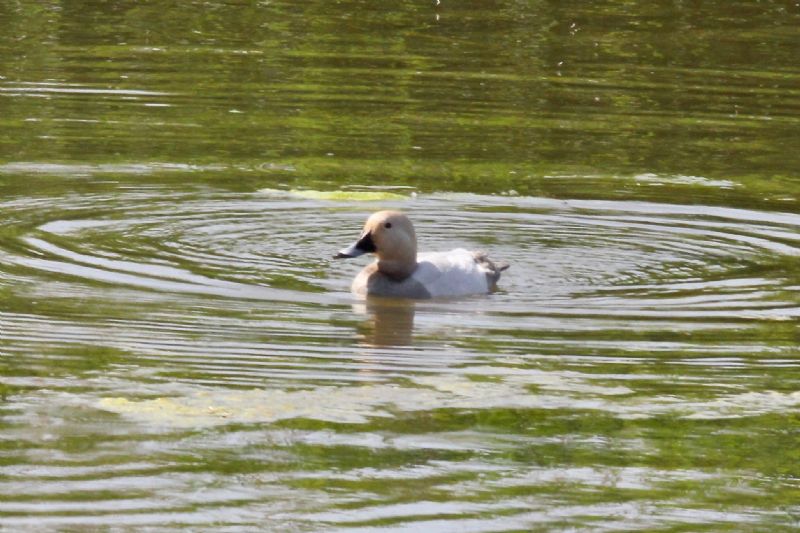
{"x": 390, "y": 236}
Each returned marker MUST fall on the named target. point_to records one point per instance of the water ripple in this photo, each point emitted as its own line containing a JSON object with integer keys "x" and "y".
{"x": 215, "y": 320}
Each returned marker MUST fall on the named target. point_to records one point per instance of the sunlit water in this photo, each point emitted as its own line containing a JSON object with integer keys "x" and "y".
{"x": 207, "y": 346}
{"x": 178, "y": 349}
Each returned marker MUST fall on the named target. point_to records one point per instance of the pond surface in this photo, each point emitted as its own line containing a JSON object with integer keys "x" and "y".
{"x": 178, "y": 350}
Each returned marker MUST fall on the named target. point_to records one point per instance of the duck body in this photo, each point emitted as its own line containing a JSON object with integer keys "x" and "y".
{"x": 400, "y": 272}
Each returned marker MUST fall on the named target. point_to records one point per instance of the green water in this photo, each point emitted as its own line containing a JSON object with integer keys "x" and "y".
{"x": 178, "y": 350}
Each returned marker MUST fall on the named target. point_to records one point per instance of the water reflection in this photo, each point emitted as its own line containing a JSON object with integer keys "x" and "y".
{"x": 388, "y": 321}
{"x": 505, "y": 92}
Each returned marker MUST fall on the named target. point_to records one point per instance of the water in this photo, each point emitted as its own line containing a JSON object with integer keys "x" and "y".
{"x": 178, "y": 350}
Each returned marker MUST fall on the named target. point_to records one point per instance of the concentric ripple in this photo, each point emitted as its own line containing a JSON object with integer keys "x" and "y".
{"x": 216, "y": 322}
{"x": 577, "y": 258}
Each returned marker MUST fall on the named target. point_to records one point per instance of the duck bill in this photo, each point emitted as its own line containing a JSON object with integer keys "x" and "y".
{"x": 362, "y": 246}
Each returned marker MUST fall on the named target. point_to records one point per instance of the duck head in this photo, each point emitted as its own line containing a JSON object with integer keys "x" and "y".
{"x": 390, "y": 236}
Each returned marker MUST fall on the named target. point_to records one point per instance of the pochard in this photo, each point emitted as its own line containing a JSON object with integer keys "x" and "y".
{"x": 400, "y": 272}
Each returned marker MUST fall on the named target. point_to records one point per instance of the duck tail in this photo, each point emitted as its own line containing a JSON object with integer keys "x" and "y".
{"x": 493, "y": 269}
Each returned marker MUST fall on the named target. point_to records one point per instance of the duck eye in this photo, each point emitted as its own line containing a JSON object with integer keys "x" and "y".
{"x": 387, "y": 225}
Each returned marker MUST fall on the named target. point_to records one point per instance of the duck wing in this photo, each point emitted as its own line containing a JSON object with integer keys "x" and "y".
{"x": 456, "y": 273}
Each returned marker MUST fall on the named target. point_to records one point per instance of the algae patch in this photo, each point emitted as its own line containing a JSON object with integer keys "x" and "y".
{"x": 338, "y": 196}
{"x": 213, "y": 407}
{"x": 204, "y": 407}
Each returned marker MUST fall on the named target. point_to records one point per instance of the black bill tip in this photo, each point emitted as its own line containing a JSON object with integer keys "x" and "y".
{"x": 364, "y": 245}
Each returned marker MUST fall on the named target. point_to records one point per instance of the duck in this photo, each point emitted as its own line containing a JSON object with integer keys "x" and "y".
{"x": 399, "y": 271}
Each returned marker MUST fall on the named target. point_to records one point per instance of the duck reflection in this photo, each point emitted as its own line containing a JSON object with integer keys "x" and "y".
{"x": 390, "y": 321}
